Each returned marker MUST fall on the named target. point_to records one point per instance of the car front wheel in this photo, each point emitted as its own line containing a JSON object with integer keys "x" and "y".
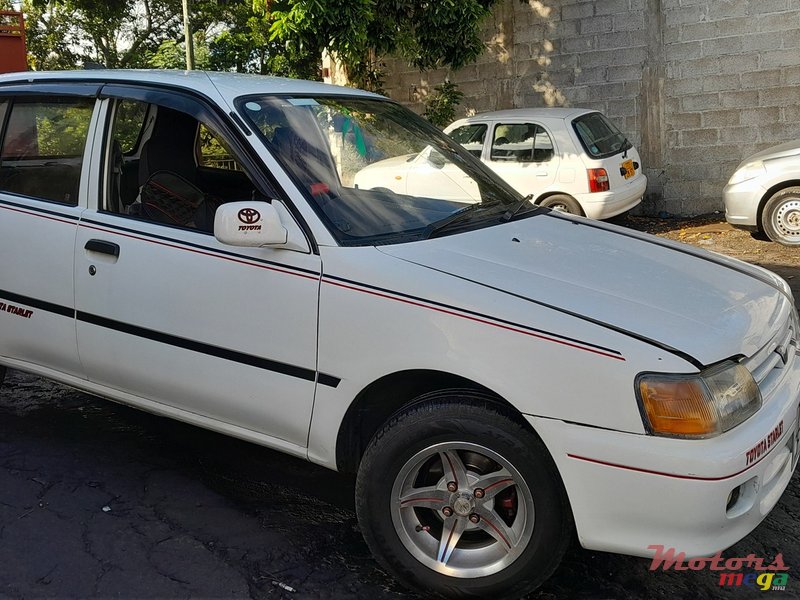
{"x": 457, "y": 499}
{"x": 781, "y": 217}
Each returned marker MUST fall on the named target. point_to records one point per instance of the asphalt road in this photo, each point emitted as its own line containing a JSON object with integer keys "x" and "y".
{"x": 98, "y": 501}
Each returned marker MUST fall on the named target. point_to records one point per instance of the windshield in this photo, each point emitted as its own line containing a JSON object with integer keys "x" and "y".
{"x": 375, "y": 172}
{"x": 599, "y": 136}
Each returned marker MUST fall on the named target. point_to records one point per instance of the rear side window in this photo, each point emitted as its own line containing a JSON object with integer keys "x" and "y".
{"x": 599, "y": 136}
{"x": 471, "y": 137}
{"x": 521, "y": 142}
{"x": 42, "y": 148}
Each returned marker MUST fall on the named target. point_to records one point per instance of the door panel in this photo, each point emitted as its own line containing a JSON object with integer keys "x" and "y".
{"x": 181, "y": 319}
{"x": 37, "y": 323}
{"x": 43, "y": 160}
{"x": 523, "y": 154}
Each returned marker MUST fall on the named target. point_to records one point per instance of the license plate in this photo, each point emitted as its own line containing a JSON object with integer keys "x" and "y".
{"x": 627, "y": 170}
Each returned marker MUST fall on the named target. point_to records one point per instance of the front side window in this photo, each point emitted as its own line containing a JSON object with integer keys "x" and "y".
{"x": 181, "y": 172}
{"x": 375, "y": 172}
{"x": 521, "y": 142}
{"x": 471, "y": 137}
{"x": 42, "y": 148}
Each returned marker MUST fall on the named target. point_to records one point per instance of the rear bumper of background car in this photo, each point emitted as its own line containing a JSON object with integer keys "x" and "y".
{"x": 630, "y": 491}
{"x": 604, "y": 205}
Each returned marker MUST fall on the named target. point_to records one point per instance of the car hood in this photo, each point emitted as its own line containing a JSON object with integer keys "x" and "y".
{"x": 781, "y": 151}
{"x": 698, "y": 303}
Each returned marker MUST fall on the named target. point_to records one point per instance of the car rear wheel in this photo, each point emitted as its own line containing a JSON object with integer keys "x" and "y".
{"x": 563, "y": 203}
{"x": 781, "y": 217}
{"x": 457, "y": 499}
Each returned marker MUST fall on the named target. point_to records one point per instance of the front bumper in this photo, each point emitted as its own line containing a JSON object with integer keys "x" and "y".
{"x": 741, "y": 202}
{"x": 630, "y": 491}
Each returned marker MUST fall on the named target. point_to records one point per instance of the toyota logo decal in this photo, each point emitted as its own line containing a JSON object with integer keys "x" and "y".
{"x": 248, "y": 216}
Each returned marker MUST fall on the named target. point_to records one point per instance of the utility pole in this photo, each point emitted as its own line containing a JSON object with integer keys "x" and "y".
{"x": 187, "y": 34}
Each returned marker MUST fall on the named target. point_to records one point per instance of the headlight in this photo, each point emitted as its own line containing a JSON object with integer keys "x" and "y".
{"x": 748, "y": 171}
{"x": 701, "y": 405}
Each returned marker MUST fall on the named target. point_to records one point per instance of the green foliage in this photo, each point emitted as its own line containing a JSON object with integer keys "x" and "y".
{"x": 128, "y": 123}
{"x": 228, "y": 36}
{"x": 60, "y": 130}
{"x": 440, "y": 106}
{"x": 360, "y": 32}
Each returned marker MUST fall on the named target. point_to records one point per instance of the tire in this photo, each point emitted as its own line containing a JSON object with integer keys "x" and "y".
{"x": 2, "y": 375}
{"x": 780, "y": 217}
{"x": 498, "y": 557}
{"x": 563, "y": 203}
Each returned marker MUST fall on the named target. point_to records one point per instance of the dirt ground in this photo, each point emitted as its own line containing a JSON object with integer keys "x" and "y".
{"x": 711, "y": 232}
{"x": 98, "y": 501}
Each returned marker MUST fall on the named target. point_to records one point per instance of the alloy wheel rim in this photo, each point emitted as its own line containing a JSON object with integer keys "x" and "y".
{"x": 462, "y": 510}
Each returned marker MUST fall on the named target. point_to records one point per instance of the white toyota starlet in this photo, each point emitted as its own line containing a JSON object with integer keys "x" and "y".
{"x": 499, "y": 375}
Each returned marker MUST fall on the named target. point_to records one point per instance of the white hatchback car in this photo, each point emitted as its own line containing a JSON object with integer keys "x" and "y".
{"x": 498, "y": 375}
{"x": 569, "y": 159}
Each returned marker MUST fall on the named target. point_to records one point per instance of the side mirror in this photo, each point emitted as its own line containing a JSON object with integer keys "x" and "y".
{"x": 251, "y": 224}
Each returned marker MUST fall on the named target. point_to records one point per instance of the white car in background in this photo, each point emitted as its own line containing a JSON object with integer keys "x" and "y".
{"x": 500, "y": 377}
{"x": 569, "y": 159}
{"x": 763, "y": 194}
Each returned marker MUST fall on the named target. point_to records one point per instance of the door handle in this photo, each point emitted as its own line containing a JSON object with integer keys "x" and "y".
{"x": 102, "y": 247}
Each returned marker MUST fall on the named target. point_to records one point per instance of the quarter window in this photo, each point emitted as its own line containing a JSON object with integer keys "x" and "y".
{"x": 42, "y": 148}
{"x": 521, "y": 142}
{"x": 212, "y": 152}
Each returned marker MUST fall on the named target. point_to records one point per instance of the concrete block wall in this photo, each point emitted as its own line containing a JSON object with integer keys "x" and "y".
{"x": 697, "y": 85}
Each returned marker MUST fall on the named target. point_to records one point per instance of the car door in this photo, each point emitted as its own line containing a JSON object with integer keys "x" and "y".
{"x": 43, "y": 159}
{"x": 523, "y": 154}
{"x": 170, "y": 315}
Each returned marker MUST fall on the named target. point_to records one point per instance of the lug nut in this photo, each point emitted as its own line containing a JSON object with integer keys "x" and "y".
{"x": 447, "y": 511}
{"x": 452, "y": 486}
{"x": 479, "y": 493}
{"x": 474, "y": 518}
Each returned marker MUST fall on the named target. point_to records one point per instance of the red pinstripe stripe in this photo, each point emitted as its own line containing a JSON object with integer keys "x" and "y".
{"x": 211, "y": 254}
{"x": 664, "y": 474}
{"x": 40, "y": 215}
{"x": 476, "y": 319}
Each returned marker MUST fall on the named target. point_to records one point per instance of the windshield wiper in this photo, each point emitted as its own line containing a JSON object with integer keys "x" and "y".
{"x": 459, "y": 215}
{"x": 512, "y": 212}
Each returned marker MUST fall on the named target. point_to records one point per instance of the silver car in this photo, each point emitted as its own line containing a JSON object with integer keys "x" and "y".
{"x": 764, "y": 194}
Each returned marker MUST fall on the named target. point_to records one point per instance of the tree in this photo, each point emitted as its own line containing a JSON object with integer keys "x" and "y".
{"x": 115, "y": 33}
{"x": 228, "y": 35}
{"x": 244, "y": 45}
{"x": 427, "y": 33}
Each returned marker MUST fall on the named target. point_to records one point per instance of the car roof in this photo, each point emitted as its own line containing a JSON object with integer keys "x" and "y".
{"x": 530, "y": 113}
{"x": 230, "y": 85}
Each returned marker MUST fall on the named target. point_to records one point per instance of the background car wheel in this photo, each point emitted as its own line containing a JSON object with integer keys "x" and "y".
{"x": 563, "y": 203}
{"x": 456, "y": 498}
{"x": 781, "y": 217}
